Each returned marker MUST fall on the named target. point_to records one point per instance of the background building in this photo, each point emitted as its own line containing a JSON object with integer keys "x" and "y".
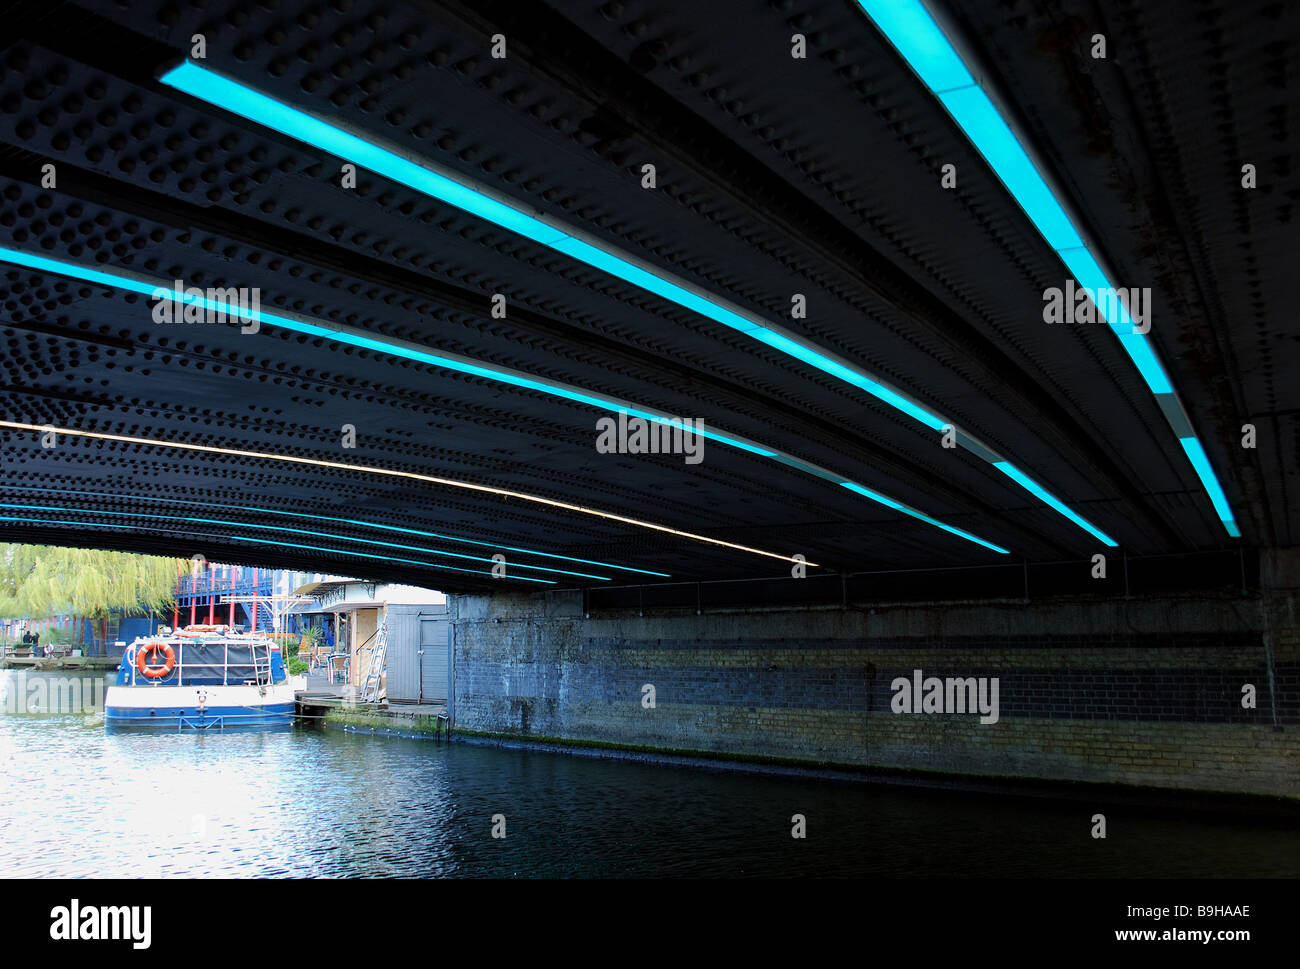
{"x": 418, "y": 652}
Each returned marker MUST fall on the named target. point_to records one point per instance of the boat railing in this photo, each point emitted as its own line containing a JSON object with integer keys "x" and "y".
{"x": 260, "y": 666}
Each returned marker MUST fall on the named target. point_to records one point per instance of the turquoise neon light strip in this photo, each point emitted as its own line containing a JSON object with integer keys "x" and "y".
{"x": 346, "y": 521}
{"x": 77, "y": 271}
{"x": 851, "y": 376}
{"x": 44, "y": 264}
{"x": 940, "y": 62}
{"x": 1084, "y": 268}
{"x": 1015, "y": 474}
{"x": 1196, "y": 454}
{"x": 876, "y": 496}
{"x": 257, "y": 541}
{"x": 385, "y": 558}
{"x": 264, "y": 110}
{"x": 922, "y": 43}
{"x": 295, "y": 531}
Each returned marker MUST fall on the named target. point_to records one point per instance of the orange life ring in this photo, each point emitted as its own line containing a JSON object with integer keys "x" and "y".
{"x": 149, "y": 670}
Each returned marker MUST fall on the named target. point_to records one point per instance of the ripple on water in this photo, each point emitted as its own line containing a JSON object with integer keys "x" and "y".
{"x": 80, "y": 802}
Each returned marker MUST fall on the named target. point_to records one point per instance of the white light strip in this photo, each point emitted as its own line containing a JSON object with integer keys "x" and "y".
{"x": 407, "y": 475}
{"x": 413, "y": 351}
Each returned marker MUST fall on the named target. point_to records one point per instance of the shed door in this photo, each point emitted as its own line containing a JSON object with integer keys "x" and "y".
{"x": 433, "y": 660}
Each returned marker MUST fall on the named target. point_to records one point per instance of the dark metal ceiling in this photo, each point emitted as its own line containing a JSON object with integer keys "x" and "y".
{"x": 775, "y": 176}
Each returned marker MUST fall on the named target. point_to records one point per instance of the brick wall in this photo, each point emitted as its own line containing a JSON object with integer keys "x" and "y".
{"x": 1142, "y": 692}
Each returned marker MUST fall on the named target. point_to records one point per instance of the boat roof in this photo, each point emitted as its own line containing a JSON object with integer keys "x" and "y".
{"x": 207, "y": 634}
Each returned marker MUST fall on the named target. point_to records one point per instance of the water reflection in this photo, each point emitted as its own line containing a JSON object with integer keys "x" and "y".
{"x": 82, "y": 802}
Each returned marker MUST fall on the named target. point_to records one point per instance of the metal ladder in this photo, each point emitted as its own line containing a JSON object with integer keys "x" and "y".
{"x": 261, "y": 674}
{"x": 378, "y": 656}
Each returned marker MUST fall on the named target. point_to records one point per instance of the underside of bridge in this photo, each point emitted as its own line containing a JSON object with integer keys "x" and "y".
{"x": 825, "y": 252}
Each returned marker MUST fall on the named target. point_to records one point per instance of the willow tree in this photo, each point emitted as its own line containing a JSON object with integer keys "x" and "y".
{"x": 38, "y": 580}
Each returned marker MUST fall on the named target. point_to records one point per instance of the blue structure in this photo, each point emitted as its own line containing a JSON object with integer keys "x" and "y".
{"x": 208, "y": 594}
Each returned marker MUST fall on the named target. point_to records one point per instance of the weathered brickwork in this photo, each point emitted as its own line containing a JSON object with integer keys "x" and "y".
{"x": 1155, "y": 705}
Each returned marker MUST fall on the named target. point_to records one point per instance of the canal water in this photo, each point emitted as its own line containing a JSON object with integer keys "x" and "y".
{"x": 311, "y": 802}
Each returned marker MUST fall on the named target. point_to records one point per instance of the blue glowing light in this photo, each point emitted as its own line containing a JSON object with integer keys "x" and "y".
{"x": 257, "y": 107}
{"x": 922, "y": 43}
{"x": 279, "y": 116}
{"x": 1200, "y": 462}
{"x": 78, "y": 271}
{"x": 258, "y": 541}
{"x": 848, "y": 375}
{"x": 608, "y": 262}
{"x": 383, "y": 558}
{"x": 907, "y": 24}
{"x": 442, "y": 361}
{"x": 989, "y": 133}
{"x": 1084, "y": 268}
{"x": 344, "y": 521}
{"x": 891, "y": 503}
{"x": 1034, "y": 488}
{"x": 297, "y": 531}
{"x": 1144, "y": 358}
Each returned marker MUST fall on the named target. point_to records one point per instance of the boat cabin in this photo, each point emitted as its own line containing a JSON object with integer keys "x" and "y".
{"x": 201, "y": 656}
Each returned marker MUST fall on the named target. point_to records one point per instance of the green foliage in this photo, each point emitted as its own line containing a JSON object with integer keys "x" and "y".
{"x": 313, "y": 637}
{"x": 38, "y": 580}
{"x": 401, "y": 726}
{"x": 310, "y": 638}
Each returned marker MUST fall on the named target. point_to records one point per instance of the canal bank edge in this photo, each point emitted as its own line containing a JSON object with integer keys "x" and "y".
{"x": 1098, "y": 691}
{"x": 412, "y": 726}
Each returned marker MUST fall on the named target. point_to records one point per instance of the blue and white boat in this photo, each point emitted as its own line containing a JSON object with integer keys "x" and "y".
{"x": 201, "y": 678}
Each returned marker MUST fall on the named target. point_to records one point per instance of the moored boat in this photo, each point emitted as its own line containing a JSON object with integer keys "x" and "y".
{"x": 202, "y": 677}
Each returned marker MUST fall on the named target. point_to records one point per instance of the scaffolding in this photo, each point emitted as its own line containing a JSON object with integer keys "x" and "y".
{"x": 280, "y": 605}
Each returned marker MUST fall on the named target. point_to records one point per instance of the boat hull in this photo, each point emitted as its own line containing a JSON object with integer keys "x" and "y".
{"x": 217, "y": 708}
